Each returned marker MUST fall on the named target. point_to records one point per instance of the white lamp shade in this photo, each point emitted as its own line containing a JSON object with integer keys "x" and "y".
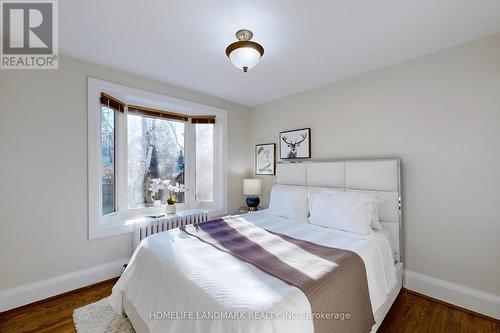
{"x": 252, "y": 186}
{"x": 244, "y": 57}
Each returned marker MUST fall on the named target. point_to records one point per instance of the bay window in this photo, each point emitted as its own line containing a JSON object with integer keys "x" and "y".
{"x": 155, "y": 151}
{"x": 108, "y": 159}
{"x": 138, "y": 138}
{"x": 204, "y": 162}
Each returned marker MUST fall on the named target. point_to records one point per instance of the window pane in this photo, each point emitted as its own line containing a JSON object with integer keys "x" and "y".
{"x": 108, "y": 160}
{"x": 155, "y": 150}
{"x": 204, "y": 162}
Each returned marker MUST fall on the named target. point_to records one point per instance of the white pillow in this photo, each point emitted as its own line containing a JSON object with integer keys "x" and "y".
{"x": 348, "y": 211}
{"x": 374, "y": 217}
{"x": 374, "y": 220}
{"x": 316, "y": 189}
{"x": 289, "y": 202}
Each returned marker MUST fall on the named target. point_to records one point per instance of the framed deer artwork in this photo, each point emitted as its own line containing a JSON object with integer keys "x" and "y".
{"x": 265, "y": 159}
{"x": 295, "y": 144}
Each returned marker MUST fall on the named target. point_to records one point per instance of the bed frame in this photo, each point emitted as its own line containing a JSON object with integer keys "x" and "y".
{"x": 382, "y": 176}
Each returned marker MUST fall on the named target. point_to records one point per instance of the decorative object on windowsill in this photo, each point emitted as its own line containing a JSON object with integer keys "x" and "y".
{"x": 244, "y": 53}
{"x": 295, "y": 144}
{"x": 172, "y": 198}
{"x": 265, "y": 159}
{"x": 252, "y": 188}
{"x": 156, "y": 188}
{"x": 170, "y": 207}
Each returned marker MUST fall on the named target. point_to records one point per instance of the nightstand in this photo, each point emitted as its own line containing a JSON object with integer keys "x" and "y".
{"x": 243, "y": 210}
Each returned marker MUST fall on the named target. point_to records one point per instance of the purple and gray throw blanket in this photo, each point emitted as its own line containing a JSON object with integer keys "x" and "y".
{"x": 333, "y": 280}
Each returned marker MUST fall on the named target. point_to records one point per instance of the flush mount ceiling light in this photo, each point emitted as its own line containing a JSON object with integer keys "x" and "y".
{"x": 244, "y": 53}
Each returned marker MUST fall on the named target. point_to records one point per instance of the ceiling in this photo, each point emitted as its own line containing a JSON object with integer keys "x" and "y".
{"x": 307, "y": 43}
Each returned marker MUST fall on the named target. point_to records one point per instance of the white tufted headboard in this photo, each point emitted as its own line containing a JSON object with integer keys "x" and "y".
{"x": 380, "y": 176}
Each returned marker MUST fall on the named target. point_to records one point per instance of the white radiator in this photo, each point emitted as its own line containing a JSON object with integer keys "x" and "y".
{"x": 147, "y": 226}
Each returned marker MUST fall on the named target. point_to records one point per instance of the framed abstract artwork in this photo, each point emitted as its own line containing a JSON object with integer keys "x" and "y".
{"x": 295, "y": 144}
{"x": 265, "y": 159}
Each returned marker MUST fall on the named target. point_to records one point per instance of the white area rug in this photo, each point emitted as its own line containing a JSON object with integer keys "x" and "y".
{"x": 99, "y": 317}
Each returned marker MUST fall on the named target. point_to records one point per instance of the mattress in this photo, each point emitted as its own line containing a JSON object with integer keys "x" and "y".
{"x": 177, "y": 283}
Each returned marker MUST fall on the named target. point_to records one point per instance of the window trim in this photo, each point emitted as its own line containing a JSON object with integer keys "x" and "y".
{"x": 118, "y": 223}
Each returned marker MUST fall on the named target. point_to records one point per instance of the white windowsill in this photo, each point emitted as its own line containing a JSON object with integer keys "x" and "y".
{"x": 120, "y": 227}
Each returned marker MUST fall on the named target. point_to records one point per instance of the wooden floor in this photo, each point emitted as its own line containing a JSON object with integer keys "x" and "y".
{"x": 53, "y": 315}
{"x": 413, "y": 313}
{"x": 410, "y": 313}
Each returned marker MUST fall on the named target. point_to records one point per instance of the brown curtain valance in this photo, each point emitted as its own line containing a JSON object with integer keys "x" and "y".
{"x": 144, "y": 111}
{"x": 203, "y": 119}
{"x": 112, "y": 102}
{"x": 118, "y": 105}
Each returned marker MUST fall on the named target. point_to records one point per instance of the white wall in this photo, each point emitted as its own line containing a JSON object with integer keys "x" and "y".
{"x": 43, "y": 169}
{"x": 441, "y": 115}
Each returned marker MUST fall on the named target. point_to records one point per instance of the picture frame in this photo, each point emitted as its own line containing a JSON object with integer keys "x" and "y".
{"x": 295, "y": 144}
{"x": 265, "y": 159}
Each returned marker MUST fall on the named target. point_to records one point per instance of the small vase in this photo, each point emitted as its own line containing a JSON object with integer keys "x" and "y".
{"x": 170, "y": 209}
{"x": 156, "y": 202}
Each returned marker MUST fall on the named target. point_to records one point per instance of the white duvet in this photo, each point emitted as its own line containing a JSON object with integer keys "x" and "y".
{"x": 177, "y": 282}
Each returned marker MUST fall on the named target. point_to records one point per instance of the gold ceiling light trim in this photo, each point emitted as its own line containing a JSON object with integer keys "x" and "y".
{"x": 244, "y": 43}
{"x": 245, "y": 58}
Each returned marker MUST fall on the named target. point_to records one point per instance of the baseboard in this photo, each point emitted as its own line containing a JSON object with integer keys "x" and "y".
{"x": 36, "y": 291}
{"x": 465, "y": 297}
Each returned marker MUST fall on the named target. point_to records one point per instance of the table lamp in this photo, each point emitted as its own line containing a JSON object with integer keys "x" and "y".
{"x": 252, "y": 188}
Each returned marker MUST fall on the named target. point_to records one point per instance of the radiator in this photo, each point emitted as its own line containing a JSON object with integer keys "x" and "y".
{"x": 147, "y": 226}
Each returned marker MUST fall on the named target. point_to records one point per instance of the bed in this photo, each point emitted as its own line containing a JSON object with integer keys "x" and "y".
{"x": 177, "y": 283}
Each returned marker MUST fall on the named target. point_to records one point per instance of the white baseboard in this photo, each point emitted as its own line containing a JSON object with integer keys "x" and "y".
{"x": 465, "y": 297}
{"x": 36, "y": 291}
